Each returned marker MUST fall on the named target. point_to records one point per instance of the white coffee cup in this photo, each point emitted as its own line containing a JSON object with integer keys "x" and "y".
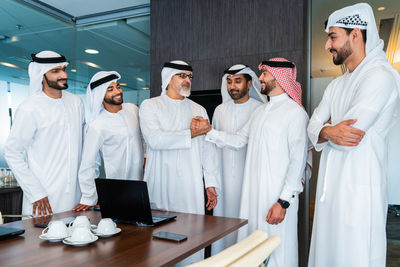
{"x": 56, "y": 229}
{"x": 106, "y": 227}
{"x": 81, "y": 234}
{"x": 80, "y": 221}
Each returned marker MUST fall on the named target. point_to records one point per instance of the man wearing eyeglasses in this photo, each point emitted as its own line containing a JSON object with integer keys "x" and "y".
{"x": 178, "y": 157}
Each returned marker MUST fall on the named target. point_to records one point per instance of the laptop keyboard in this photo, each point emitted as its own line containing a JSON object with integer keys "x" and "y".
{"x": 159, "y": 217}
{"x": 155, "y": 217}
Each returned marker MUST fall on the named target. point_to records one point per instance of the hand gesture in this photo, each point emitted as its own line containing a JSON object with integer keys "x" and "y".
{"x": 276, "y": 214}
{"x": 42, "y": 207}
{"x": 212, "y": 198}
{"x": 81, "y": 207}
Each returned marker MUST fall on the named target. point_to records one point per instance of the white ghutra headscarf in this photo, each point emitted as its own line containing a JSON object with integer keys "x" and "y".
{"x": 96, "y": 91}
{"x": 41, "y": 63}
{"x": 170, "y": 69}
{"x": 254, "y": 91}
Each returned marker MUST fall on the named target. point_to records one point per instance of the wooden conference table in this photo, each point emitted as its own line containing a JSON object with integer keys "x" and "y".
{"x": 134, "y": 246}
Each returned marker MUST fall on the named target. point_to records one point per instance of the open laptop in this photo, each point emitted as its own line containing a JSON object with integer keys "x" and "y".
{"x": 127, "y": 201}
{"x": 7, "y": 232}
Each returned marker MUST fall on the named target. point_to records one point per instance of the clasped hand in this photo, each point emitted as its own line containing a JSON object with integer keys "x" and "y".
{"x": 199, "y": 126}
{"x": 343, "y": 133}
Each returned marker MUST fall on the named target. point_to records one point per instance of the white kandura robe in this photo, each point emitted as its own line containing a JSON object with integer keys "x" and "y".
{"x": 351, "y": 204}
{"x": 117, "y": 137}
{"x": 176, "y": 163}
{"x": 394, "y": 162}
{"x": 230, "y": 117}
{"x": 276, "y": 139}
{"x": 44, "y": 150}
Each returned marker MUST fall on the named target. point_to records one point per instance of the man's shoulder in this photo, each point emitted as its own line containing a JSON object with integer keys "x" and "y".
{"x": 99, "y": 123}
{"x": 130, "y": 106}
{"x": 196, "y": 105}
{"x": 378, "y": 72}
{"x": 31, "y": 103}
{"x": 294, "y": 109}
{"x": 150, "y": 101}
{"x": 219, "y": 111}
{"x": 254, "y": 103}
{"x": 223, "y": 106}
{"x": 72, "y": 98}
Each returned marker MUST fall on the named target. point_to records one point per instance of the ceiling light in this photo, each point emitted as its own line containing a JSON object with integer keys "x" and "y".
{"x": 93, "y": 65}
{"x": 381, "y": 8}
{"x": 123, "y": 84}
{"x": 23, "y": 60}
{"x": 73, "y": 70}
{"x": 145, "y": 88}
{"x": 19, "y": 77}
{"x": 139, "y": 79}
{"x": 10, "y": 65}
{"x": 14, "y": 39}
{"x": 91, "y": 51}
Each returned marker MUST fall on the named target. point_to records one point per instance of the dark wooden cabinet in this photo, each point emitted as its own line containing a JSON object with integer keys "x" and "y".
{"x": 11, "y": 202}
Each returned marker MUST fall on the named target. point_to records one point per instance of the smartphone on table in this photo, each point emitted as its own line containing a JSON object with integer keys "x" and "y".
{"x": 170, "y": 236}
{"x": 43, "y": 222}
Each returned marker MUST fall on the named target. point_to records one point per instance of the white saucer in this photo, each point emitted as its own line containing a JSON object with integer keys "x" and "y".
{"x": 50, "y": 239}
{"x": 117, "y": 231}
{"x": 67, "y": 241}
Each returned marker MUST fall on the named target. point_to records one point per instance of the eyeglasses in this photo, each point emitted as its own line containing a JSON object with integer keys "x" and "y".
{"x": 184, "y": 75}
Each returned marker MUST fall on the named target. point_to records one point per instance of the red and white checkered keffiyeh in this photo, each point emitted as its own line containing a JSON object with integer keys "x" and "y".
{"x": 286, "y": 77}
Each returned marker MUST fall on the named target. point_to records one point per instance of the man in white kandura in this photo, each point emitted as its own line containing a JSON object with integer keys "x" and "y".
{"x": 44, "y": 146}
{"x": 178, "y": 157}
{"x": 240, "y": 90}
{"x": 276, "y": 139}
{"x": 112, "y": 133}
{"x": 351, "y": 205}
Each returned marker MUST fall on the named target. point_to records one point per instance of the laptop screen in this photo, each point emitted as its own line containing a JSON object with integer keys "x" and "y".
{"x": 124, "y": 200}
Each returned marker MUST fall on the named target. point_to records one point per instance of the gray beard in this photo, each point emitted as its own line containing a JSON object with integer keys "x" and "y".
{"x": 184, "y": 93}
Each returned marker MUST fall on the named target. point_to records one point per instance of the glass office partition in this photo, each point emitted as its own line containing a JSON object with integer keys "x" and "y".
{"x": 102, "y": 37}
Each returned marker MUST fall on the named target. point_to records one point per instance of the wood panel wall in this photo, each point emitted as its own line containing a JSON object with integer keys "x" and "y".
{"x": 212, "y": 35}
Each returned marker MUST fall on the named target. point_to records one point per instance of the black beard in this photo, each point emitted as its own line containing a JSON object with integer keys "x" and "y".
{"x": 342, "y": 54}
{"x": 111, "y": 101}
{"x": 54, "y": 84}
{"x": 238, "y": 96}
{"x": 268, "y": 87}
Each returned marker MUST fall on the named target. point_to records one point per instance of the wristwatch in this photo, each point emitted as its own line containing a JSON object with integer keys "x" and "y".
{"x": 284, "y": 204}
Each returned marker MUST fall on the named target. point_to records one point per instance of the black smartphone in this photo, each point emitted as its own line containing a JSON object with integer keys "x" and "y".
{"x": 170, "y": 236}
{"x": 43, "y": 222}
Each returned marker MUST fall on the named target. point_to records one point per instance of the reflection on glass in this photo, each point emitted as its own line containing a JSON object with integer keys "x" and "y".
{"x": 121, "y": 43}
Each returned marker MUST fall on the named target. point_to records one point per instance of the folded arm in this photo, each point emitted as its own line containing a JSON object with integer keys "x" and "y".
{"x": 373, "y": 95}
